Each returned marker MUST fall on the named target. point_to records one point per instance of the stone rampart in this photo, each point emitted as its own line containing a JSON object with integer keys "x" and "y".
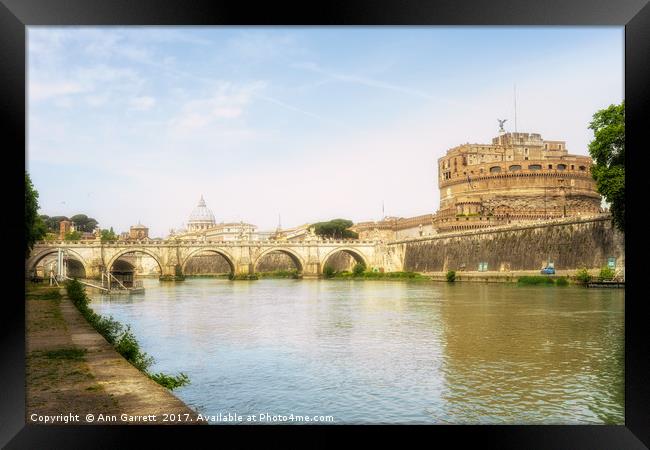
{"x": 570, "y": 244}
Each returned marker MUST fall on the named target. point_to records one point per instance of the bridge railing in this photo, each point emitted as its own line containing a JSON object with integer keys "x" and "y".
{"x": 174, "y": 242}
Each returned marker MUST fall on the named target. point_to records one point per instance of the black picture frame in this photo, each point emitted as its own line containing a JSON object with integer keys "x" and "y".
{"x": 634, "y": 15}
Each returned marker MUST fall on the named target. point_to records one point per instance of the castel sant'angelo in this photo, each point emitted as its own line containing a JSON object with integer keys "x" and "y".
{"x": 518, "y": 177}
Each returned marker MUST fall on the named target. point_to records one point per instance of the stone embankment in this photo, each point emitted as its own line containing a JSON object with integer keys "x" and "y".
{"x": 570, "y": 244}
{"x": 73, "y": 372}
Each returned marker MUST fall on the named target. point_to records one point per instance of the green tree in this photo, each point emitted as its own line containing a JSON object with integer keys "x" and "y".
{"x": 72, "y": 236}
{"x": 328, "y": 271}
{"x": 53, "y": 222}
{"x": 84, "y": 223}
{"x": 35, "y": 228}
{"x": 608, "y": 152}
{"x": 336, "y": 228}
{"x": 108, "y": 235}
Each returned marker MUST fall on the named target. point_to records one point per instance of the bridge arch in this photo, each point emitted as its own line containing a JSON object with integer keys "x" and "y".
{"x": 358, "y": 256}
{"x": 295, "y": 257}
{"x": 126, "y": 251}
{"x": 33, "y": 261}
{"x": 227, "y": 256}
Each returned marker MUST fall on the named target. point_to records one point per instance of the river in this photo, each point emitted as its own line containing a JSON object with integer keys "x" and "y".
{"x": 386, "y": 351}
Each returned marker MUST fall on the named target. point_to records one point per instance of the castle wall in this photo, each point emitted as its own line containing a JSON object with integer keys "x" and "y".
{"x": 570, "y": 244}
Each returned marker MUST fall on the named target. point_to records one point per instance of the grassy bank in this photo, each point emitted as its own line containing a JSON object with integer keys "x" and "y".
{"x": 292, "y": 273}
{"x": 57, "y": 375}
{"x": 368, "y": 275}
{"x": 209, "y": 275}
{"x": 122, "y": 338}
{"x": 542, "y": 280}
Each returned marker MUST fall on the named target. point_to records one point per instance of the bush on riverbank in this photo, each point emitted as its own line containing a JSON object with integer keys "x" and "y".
{"x": 329, "y": 272}
{"x": 534, "y": 280}
{"x": 583, "y": 275}
{"x": 292, "y": 273}
{"x": 563, "y": 281}
{"x": 170, "y": 383}
{"x": 358, "y": 269}
{"x": 451, "y": 276}
{"x": 122, "y": 339}
{"x": 606, "y": 273}
{"x": 371, "y": 275}
{"x": 209, "y": 275}
{"x": 243, "y": 276}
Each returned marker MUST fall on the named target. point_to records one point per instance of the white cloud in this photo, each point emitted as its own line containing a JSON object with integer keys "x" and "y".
{"x": 226, "y": 101}
{"x": 142, "y": 103}
{"x": 46, "y": 90}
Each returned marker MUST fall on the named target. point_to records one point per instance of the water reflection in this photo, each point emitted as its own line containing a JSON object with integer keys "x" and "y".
{"x": 387, "y": 352}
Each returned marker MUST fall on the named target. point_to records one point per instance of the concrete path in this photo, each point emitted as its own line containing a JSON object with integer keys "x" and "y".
{"x": 62, "y": 380}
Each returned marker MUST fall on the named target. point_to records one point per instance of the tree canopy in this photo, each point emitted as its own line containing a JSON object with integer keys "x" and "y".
{"x": 52, "y": 223}
{"x": 35, "y": 229}
{"x": 72, "y": 236}
{"x": 335, "y": 228}
{"x": 84, "y": 223}
{"x": 108, "y": 235}
{"x": 81, "y": 222}
{"x": 608, "y": 152}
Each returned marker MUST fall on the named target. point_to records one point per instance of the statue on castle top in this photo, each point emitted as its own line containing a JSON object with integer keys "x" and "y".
{"x": 501, "y": 122}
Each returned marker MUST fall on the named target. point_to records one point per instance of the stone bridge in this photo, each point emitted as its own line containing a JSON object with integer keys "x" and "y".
{"x": 309, "y": 257}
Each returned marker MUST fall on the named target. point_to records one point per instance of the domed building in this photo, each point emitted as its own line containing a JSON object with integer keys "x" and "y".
{"x": 202, "y": 226}
{"x": 201, "y": 218}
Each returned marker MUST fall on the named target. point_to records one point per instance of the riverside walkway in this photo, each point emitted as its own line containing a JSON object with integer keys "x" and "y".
{"x": 74, "y": 373}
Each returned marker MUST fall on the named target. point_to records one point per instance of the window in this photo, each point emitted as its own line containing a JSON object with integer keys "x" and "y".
{"x": 572, "y": 166}
{"x": 514, "y": 168}
{"x": 582, "y": 168}
{"x": 550, "y": 166}
{"x": 534, "y": 167}
{"x": 561, "y": 167}
{"x": 495, "y": 169}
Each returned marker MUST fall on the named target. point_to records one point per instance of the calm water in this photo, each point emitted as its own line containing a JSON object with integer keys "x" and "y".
{"x": 386, "y": 352}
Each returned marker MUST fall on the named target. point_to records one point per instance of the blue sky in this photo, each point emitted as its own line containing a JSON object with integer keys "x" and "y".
{"x": 312, "y": 123}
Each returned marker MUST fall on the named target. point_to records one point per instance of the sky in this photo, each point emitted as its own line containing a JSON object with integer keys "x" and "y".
{"x": 292, "y": 124}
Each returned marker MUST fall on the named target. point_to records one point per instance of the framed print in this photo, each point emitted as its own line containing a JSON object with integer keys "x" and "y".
{"x": 379, "y": 219}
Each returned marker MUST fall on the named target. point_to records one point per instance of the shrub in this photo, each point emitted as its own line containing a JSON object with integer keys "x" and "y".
{"x": 328, "y": 271}
{"x": 451, "y": 276}
{"x": 169, "y": 381}
{"x": 128, "y": 347}
{"x": 606, "y": 273}
{"x": 243, "y": 276}
{"x": 562, "y": 281}
{"x": 124, "y": 342}
{"x": 358, "y": 269}
{"x": 583, "y": 275}
{"x": 535, "y": 280}
{"x": 107, "y": 327}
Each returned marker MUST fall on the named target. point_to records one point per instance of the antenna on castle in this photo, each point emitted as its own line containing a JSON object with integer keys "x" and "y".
{"x": 383, "y": 214}
{"x": 515, "y": 96}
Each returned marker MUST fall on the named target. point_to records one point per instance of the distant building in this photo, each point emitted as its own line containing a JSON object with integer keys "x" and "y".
{"x": 65, "y": 227}
{"x": 201, "y": 218}
{"x": 202, "y": 225}
{"x": 138, "y": 232}
{"x": 299, "y": 233}
{"x": 519, "y": 177}
{"x": 395, "y": 228}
